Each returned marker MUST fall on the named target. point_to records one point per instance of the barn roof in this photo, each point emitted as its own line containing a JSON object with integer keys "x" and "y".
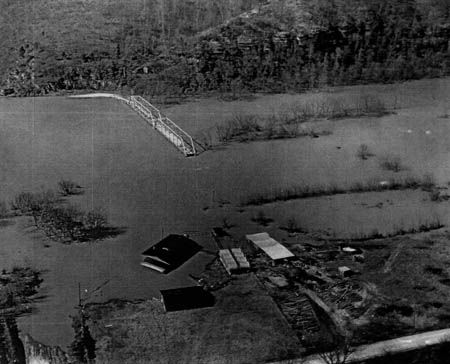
{"x": 186, "y": 298}
{"x": 270, "y": 246}
{"x": 172, "y": 251}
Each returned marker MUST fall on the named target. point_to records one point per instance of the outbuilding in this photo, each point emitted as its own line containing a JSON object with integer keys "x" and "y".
{"x": 345, "y": 272}
{"x": 186, "y": 298}
{"x": 234, "y": 260}
{"x": 270, "y": 246}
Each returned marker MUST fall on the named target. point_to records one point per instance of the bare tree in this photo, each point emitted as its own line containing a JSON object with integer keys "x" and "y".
{"x": 68, "y": 187}
{"x": 337, "y": 352}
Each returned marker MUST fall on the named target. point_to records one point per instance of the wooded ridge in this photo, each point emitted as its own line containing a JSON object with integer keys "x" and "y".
{"x": 179, "y": 47}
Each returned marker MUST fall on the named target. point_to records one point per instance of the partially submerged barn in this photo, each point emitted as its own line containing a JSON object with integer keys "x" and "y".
{"x": 186, "y": 298}
{"x": 170, "y": 253}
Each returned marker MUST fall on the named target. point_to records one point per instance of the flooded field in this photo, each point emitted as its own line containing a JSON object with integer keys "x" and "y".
{"x": 147, "y": 187}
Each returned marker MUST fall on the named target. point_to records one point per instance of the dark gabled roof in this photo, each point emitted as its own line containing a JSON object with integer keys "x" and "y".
{"x": 173, "y": 250}
{"x": 187, "y": 298}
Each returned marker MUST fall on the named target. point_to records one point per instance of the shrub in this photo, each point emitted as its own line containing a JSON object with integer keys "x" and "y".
{"x": 261, "y": 218}
{"x": 25, "y": 202}
{"x": 392, "y": 163}
{"x": 226, "y": 224}
{"x": 67, "y": 187}
{"x": 239, "y": 125}
{"x": 435, "y": 194}
{"x": 94, "y": 220}
{"x": 369, "y": 104}
{"x": 292, "y": 226}
{"x": 3, "y": 209}
{"x": 363, "y": 152}
{"x": 47, "y": 197}
{"x": 206, "y": 139}
{"x": 428, "y": 182}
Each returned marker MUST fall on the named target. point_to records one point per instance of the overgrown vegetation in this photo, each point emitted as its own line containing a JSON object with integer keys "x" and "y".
{"x": 16, "y": 289}
{"x": 422, "y": 227}
{"x": 246, "y": 128}
{"x": 289, "y": 121}
{"x": 238, "y": 126}
{"x": 303, "y": 191}
{"x": 337, "y": 108}
{"x": 82, "y": 348}
{"x": 62, "y": 221}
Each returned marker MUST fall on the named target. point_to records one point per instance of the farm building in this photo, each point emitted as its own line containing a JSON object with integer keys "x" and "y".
{"x": 345, "y": 272}
{"x": 187, "y": 298}
{"x": 170, "y": 253}
{"x": 270, "y": 246}
{"x": 233, "y": 260}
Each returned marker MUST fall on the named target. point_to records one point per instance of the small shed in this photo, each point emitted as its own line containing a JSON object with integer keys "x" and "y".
{"x": 228, "y": 261}
{"x": 186, "y": 298}
{"x": 270, "y": 246}
{"x": 240, "y": 258}
{"x": 345, "y": 272}
{"x": 351, "y": 250}
{"x": 234, "y": 260}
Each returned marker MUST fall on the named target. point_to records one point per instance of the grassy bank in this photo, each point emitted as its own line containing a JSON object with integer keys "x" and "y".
{"x": 302, "y": 191}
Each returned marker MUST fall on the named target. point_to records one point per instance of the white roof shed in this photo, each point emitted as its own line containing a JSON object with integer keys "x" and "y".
{"x": 270, "y": 246}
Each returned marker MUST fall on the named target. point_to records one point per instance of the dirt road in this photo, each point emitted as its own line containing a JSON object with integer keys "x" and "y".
{"x": 401, "y": 344}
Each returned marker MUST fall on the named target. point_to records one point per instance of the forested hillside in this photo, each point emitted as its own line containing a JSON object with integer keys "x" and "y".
{"x": 190, "y": 46}
{"x": 49, "y": 45}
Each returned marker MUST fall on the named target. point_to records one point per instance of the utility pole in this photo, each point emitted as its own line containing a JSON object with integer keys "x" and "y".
{"x": 79, "y": 294}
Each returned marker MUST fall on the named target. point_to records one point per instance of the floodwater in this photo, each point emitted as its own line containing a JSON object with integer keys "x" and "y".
{"x": 146, "y": 186}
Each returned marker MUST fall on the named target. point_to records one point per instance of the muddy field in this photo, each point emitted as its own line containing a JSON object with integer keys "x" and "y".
{"x": 147, "y": 187}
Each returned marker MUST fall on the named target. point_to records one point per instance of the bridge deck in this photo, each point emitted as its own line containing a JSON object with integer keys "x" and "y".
{"x": 171, "y": 131}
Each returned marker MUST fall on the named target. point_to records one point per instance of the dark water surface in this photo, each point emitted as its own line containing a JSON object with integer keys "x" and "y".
{"x": 146, "y": 186}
